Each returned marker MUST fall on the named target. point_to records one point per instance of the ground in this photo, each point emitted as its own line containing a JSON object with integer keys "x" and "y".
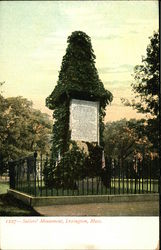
{"x": 10, "y": 206}
{"x": 145, "y": 208}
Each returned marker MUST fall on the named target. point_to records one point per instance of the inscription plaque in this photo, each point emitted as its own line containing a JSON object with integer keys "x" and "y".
{"x": 84, "y": 120}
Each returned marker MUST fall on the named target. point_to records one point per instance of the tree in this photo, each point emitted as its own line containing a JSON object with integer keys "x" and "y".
{"x": 146, "y": 88}
{"x": 22, "y": 129}
{"x": 40, "y": 128}
{"x": 3, "y": 123}
{"x": 126, "y": 139}
{"x": 78, "y": 78}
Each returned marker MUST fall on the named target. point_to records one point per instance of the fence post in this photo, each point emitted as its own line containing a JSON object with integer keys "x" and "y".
{"x": 35, "y": 156}
{"x": 12, "y": 175}
{"x": 41, "y": 173}
{"x": 159, "y": 177}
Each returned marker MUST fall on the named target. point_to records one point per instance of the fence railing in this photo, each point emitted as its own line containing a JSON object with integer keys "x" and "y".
{"x": 27, "y": 176}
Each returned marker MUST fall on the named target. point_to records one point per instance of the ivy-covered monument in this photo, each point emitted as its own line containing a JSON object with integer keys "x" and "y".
{"x": 78, "y": 102}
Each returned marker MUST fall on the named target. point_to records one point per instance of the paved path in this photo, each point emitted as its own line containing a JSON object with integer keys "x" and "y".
{"x": 146, "y": 208}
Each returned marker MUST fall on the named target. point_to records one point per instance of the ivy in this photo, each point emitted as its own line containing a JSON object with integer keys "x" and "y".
{"x": 78, "y": 79}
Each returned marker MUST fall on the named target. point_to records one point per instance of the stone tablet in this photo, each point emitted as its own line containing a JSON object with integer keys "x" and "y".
{"x": 84, "y": 120}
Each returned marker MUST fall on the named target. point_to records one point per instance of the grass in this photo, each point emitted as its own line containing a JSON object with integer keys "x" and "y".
{"x": 9, "y": 206}
{"x": 4, "y": 186}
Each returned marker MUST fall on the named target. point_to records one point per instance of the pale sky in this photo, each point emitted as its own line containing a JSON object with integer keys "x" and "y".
{"x": 33, "y": 40}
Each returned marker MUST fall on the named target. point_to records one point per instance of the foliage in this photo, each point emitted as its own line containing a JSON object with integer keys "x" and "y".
{"x": 3, "y": 123}
{"x": 146, "y": 88}
{"x": 22, "y": 129}
{"x": 61, "y": 132}
{"x": 93, "y": 161}
{"x": 65, "y": 172}
{"x": 78, "y": 78}
{"x": 125, "y": 140}
{"x": 74, "y": 165}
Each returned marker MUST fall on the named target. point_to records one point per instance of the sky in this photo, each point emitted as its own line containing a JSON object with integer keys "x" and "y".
{"x": 33, "y": 40}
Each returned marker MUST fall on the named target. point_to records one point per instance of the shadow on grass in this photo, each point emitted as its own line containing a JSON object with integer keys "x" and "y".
{"x": 10, "y": 206}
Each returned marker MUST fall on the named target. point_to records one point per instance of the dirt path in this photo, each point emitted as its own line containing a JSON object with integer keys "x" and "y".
{"x": 146, "y": 208}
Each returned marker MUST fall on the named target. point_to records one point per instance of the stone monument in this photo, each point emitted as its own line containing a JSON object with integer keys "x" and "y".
{"x": 78, "y": 102}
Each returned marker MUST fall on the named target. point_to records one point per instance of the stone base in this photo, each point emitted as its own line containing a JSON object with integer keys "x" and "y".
{"x": 85, "y": 199}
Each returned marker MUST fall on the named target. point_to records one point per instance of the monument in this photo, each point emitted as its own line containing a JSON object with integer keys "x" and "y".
{"x": 78, "y": 102}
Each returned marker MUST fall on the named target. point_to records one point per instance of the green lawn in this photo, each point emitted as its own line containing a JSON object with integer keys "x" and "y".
{"x": 9, "y": 206}
{"x": 4, "y": 187}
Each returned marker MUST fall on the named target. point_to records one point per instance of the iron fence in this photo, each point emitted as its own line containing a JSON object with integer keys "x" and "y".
{"x": 27, "y": 176}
